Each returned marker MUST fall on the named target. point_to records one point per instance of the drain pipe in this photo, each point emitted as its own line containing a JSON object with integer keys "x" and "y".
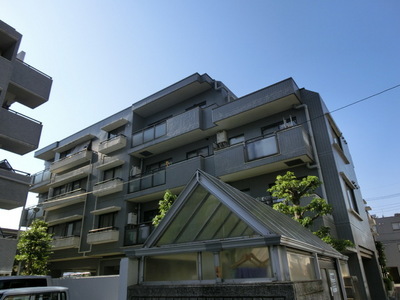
{"x": 314, "y": 147}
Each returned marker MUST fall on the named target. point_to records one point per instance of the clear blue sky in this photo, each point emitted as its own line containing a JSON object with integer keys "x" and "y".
{"x": 105, "y": 55}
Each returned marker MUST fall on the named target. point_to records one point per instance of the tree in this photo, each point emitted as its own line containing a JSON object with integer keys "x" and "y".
{"x": 163, "y": 206}
{"x": 34, "y": 249}
{"x": 292, "y": 190}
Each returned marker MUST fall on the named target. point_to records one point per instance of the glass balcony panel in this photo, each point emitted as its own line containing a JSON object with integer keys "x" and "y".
{"x": 137, "y": 139}
{"x": 148, "y": 134}
{"x": 144, "y": 232}
{"x": 261, "y": 148}
{"x": 159, "y": 178}
{"x": 160, "y": 129}
{"x": 131, "y": 235}
{"x": 134, "y": 185}
{"x": 146, "y": 182}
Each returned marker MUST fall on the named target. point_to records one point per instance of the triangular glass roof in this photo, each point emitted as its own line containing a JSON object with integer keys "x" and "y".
{"x": 209, "y": 210}
{"x": 203, "y": 218}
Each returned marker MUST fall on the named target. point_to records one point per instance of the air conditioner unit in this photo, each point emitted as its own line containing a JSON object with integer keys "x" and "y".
{"x": 135, "y": 171}
{"x": 222, "y": 137}
{"x": 132, "y": 218}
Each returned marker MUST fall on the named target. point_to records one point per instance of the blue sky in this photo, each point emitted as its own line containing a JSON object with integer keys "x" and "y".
{"x": 105, "y": 55}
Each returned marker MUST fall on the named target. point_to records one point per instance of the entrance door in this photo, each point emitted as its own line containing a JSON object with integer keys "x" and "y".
{"x": 333, "y": 284}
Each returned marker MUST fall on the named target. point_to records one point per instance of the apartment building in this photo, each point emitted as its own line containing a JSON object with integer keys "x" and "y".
{"x": 21, "y": 83}
{"x": 100, "y": 187}
{"x": 388, "y": 229}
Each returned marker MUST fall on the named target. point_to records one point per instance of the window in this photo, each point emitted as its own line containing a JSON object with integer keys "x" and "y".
{"x": 236, "y": 139}
{"x": 237, "y": 263}
{"x": 246, "y": 263}
{"x": 336, "y": 135}
{"x": 351, "y": 198}
{"x": 112, "y": 173}
{"x": 76, "y": 149}
{"x": 66, "y": 188}
{"x": 107, "y": 220}
{"x": 116, "y": 132}
{"x": 158, "y": 165}
{"x": 396, "y": 226}
{"x": 285, "y": 123}
{"x": 66, "y": 229}
{"x": 301, "y": 266}
{"x": 198, "y": 152}
{"x": 65, "y": 153}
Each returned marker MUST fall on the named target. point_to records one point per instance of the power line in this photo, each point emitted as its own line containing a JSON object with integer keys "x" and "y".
{"x": 383, "y": 197}
{"x": 366, "y": 98}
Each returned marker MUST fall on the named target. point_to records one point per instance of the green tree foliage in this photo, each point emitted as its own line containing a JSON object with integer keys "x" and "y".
{"x": 291, "y": 189}
{"x": 163, "y": 206}
{"x": 34, "y": 249}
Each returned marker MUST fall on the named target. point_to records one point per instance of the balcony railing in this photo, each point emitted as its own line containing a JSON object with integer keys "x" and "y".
{"x": 67, "y": 199}
{"x": 165, "y": 178}
{"x": 18, "y": 133}
{"x": 181, "y": 128}
{"x": 142, "y": 182}
{"x": 149, "y": 134}
{"x": 70, "y": 176}
{"x": 66, "y": 242}
{"x": 262, "y": 147}
{"x": 107, "y": 187}
{"x": 286, "y": 148}
{"x": 113, "y": 144}
{"x": 103, "y": 235}
{"x": 71, "y": 161}
{"x": 40, "y": 177}
{"x": 137, "y": 234}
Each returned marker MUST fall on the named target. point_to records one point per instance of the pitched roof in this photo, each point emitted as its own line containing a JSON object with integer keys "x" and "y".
{"x": 209, "y": 209}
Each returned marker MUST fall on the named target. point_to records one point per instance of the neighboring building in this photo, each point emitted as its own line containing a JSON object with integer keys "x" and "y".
{"x": 101, "y": 186}
{"x": 8, "y": 243}
{"x": 388, "y": 229}
{"x": 19, "y": 82}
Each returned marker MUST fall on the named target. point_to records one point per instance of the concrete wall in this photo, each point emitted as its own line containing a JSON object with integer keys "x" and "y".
{"x": 8, "y": 248}
{"x": 310, "y": 290}
{"x": 99, "y": 287}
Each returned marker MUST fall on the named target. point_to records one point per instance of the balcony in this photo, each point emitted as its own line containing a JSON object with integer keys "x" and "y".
{"x": 40, "y": 181}
{"x": 137, "y": 234}
{"x": 14, "y": 187}
{"x": 287, "y": 148}
{"x": 71, "y": 161}
{"x": 108, "y": 187}
{"x": 113, "y": 144}
{"x": 70, "y": 176}
{"x": 67, "y": 242}
{"x": 103, "y": 235}
{"x": 30, "y": 86}
{"x": 18, "y": 133}
{"x": 164, "y": 178}
{"x": 174, "y": 132}
{"x": 64, "y": 200}
{"x": 260, "y": 104}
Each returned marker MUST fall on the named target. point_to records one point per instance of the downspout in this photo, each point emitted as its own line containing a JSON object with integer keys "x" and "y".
{"x": 314, "y": 148}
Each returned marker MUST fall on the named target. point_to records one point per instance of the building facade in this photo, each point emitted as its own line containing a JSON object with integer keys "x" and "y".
{"x": 21, "y": 83}
{"x": 100, "y": 187}
{"x": 388, "y": 229}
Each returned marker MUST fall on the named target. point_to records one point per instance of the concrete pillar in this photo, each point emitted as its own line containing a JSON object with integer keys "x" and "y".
{"x": 128, "y": 275}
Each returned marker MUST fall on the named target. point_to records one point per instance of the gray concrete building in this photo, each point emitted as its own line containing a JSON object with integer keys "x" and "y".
{"x": 388, "y": 229}
{"x": 100, "y": 187}
{"x": 21, "y": 83}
